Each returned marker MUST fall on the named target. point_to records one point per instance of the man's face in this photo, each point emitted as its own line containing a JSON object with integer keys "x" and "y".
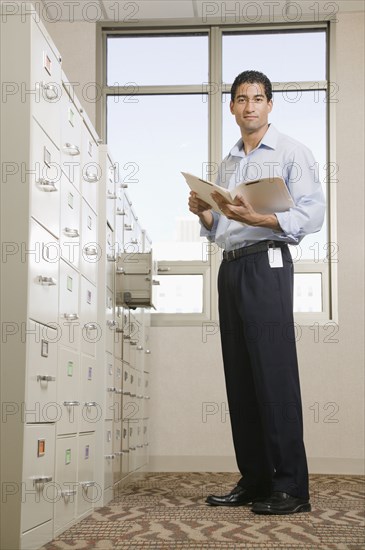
{"x": 251, "y": 107}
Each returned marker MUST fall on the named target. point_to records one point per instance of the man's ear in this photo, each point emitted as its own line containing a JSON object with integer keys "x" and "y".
{"x": 231, "y": 106}
{"x": 271, "y": 105}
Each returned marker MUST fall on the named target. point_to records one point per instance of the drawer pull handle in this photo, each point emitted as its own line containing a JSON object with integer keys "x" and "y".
{"x": 42, "y": 479}
{"x": 111, "y": 389}
{"x": 90, "y": 177}
{"x": 110, "y": 456}
{"x": 71, "y": 316}
{"x": 91, "y": 250}
{"x": 128, "y": 227}
{"x": 146, "y": 444}
{"x": 126, "y": 392}
{"x": 132, "y": 448}
{"x": 147, "y": 397}
{"x": 133, "y": 343}
{"x": 91, "y": 404}
{"x": 132, "y": 394}
{"x": 119, "y": 392}
{"x": 125, "y": 451}
{"x": 120, "y": 212}
{"x": 68, "y": 493}
{"x": 91, "y": 326}
{"x": 111, "y": 258}
{"x": 51, "y": 91}
{"x": 163, "y": 269}
{"x": 139, "y": 396}
{"x": 155, "y": 283}
{"x": 111, "y": 324}
{"x": 127, "y": 337}
{"x": 148, "y": 351}
{"x": 45, "y": 378}
{"x": 71, "y": 149}
{"x": 86, "y": 484}
{"x": 134, "y": 241}
{"x": 46, "y": 185}
{"x": 139, "y": 446}
{"x": 111, "y": 195}
{"x": 118, "y": 453}
{"x": 140, "y": 348}
{"x": 71, "y": 232}
{"x": 120, "y": 271}
{"x": 47, "y": 281}
{"x": 71, "y": 403}
{"x": 124, "y": 186}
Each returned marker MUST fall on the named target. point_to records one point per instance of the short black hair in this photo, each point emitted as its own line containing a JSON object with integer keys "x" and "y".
{"x": 252, "y": 77}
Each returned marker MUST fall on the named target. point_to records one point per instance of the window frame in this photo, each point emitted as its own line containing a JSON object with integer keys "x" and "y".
{"x": 209, "y": 269}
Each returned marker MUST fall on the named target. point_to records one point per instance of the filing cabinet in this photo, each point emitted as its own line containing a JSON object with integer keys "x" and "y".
{"x": 79, "y": 358}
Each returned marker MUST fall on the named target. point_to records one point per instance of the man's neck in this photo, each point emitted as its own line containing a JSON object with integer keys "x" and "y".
{"x": 251, "y": 140}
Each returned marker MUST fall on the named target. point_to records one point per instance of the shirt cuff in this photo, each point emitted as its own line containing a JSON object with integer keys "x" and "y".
{"x": 289, "y": 226}
{"x": 204, "y": 232}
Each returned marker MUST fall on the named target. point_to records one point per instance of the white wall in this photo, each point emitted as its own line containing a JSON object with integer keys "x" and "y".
{"x": 187, "y": 375}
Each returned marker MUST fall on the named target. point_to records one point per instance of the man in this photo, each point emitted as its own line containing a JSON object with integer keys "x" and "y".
{"x": 255, "y": 285}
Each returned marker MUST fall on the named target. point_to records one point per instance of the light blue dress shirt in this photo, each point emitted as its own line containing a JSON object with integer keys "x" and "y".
{"x": 276, "y": 155}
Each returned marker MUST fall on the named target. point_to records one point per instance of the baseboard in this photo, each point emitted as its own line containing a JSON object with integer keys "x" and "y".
{"x": 326, "y": 465}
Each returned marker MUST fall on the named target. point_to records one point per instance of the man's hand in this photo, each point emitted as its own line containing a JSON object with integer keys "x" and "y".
{"x": 201, "y": 209}
{"x": 242, "y": 211}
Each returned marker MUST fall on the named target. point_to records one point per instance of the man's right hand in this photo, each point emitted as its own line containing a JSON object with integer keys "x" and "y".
{"x": 201, "y": 209}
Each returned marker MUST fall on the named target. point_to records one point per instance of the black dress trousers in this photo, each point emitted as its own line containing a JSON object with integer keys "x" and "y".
{"x": 261, "y": 372}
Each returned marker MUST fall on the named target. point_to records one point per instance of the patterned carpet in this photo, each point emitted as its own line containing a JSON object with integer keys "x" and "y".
{"x": 166, "y": 511}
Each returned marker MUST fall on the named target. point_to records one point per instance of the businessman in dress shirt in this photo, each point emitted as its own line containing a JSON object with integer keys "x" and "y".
{"x": 255, "y": 285}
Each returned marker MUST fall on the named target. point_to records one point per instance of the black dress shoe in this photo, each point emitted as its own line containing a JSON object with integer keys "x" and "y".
{"x": 281, "y": 503}
{"x": 239, "y": 496}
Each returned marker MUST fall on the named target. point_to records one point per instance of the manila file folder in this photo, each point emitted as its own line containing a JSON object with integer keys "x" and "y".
{"x": 266, "y": 195}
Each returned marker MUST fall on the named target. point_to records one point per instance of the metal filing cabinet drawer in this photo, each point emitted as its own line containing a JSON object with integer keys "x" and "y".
{"x": 68, "y": 390}
{"x": 90, "y": 330}
{"x": 70, "y": 223}
{"x": 90, "y": 169}
{"x": 44, "y": 254}
{"x": 45, "y": 182}
{"x": 110, "y": 322}
{"x": 88, "y": 492}
{"x": 125, "y": 448}
{"x": 90, "y": 409}
{"x": 66, "y": 485}
{"x": 111, "y": 195}
{"x": 46, "y": 76}
{"x": 117, "y": 451}
{"x": 110, "y": 387}
{"x": 41, "y": 374}
{"x": 90, "y": 249}
{"x": 110, "y": 258}
{"x": 69, "y": 306}
{"x": 38, "y": 475}
{"x": 71, "y": 122}
{"x": 108, "y": 454}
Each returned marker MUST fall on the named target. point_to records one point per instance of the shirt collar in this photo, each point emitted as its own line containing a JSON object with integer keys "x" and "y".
{"x": 269, "y": 140}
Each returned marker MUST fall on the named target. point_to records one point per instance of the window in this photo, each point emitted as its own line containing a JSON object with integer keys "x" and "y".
{"x": 167, "y": 111}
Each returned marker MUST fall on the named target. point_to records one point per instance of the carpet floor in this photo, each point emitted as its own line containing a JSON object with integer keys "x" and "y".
{"x": 166, "y": 511}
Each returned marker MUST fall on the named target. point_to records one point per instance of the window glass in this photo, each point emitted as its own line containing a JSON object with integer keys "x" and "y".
{"x": 179, "y": 294}
{"x": 283, "y": 57}
{"x": 157, "y": 60}
{"x": 307, "y": 292}
{"x": 154, "y": 138}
